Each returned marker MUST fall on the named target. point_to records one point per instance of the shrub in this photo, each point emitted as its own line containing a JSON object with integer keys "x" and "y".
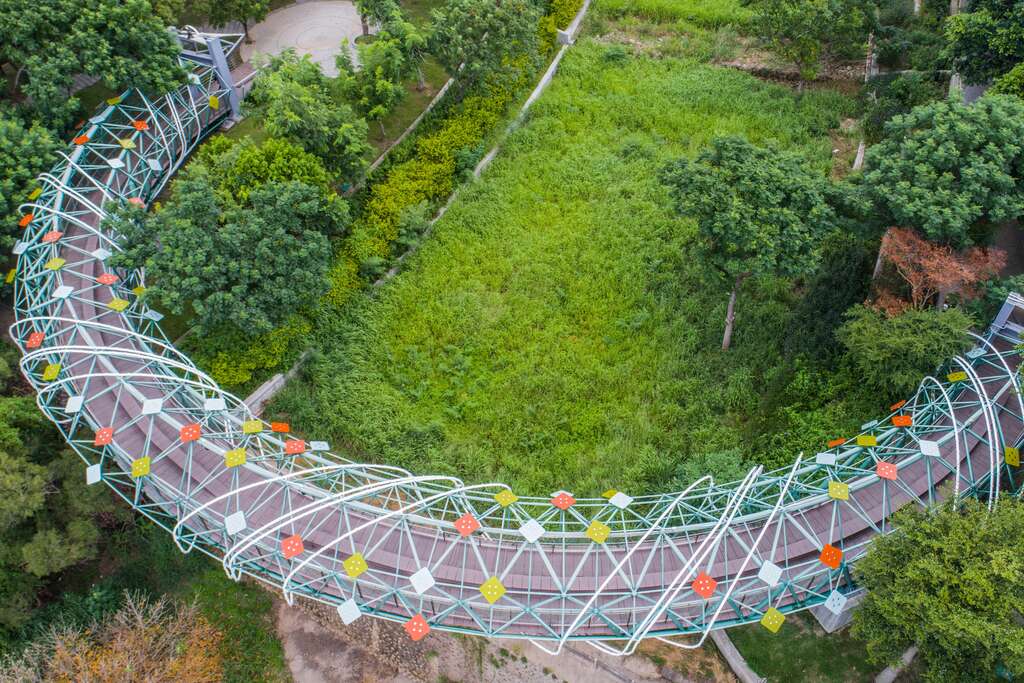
{"x": 886, "y": 99}
{"x": 560, "y": 15}
{"x": 232, "y": 357}
{"x": 1010, "y": 83}
{"x": 893, "y": 354}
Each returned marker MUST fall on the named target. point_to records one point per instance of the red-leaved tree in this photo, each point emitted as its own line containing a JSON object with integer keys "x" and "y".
{"x": 933, "y": 271}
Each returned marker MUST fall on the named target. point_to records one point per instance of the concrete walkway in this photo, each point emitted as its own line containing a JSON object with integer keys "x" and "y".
{"x": 312, "y": 28}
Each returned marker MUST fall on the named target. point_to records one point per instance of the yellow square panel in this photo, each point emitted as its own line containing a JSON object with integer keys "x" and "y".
{"x": 609, "y": 494}
{"x": 598, "y": 532}
{"x": 139, "y": 291}
{"x": 838, "y": 490}
{"x": 772, "y": 620}
{"x": 1012, "y": 456}
{"x": 117, "y": 304}
{"x": 252, "y": 427}
{"x": 126, "y": 143}
{"x": 234, "y": 457}
{"x": 56, "y": 263}
{"x": 355, "y": 565}
{"x": 214, "y": 102}
{"x": 959, "y": 376}
{"x": 34, "y": 195}
{"x": 113, "y": 100}
{"x": 492, "y": 590}
{"x": 140, "y": 467}
{"x": 11, "y": 274}
{"x": 867, "y": 440}
{"x": 506, "y": 498}
{"x": 51, "y": 371}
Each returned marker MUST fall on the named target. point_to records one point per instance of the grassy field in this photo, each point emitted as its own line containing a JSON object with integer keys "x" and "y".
{"x": 802, "y": 651}
{"x": 554, "y": 330}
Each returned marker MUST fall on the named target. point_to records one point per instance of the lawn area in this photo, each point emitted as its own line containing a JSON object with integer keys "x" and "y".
{"x": 418, "y": 11}
{"x": 802, "y": 651}
{"x": 382, "y": 134}
{"x": 554, "y": 331}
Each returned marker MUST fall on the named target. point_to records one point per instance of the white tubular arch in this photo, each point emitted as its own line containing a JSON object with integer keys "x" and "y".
{"x": 992, "y": 429}
{"x": 319, "y": 506}
{"x": 376, "y": 520}
{"x": 956, "y": 431}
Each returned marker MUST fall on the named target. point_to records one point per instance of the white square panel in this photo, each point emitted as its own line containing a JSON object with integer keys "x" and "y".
{"x": 930, "y": 448}
{"x": 835, "y": 602}
{"x": 152, "y": 406}
{"x": 115, "y": 163}
{"x": 214, "y": 404}
{"x": 975, "y": 352}
{"x": 868, "y": 425}
{"x": 531, "y": 531}
{"x": 319, "y": 446}
{"x": 620, "y": 500}
{"x": 349, "y": 611}
{"x": 234, "y": 522}
{"x": 155, "y": 316}
{"x": 770, "y": 573}
{"x": 155, "y": 165}
{"x": 19, "y": 248}
{"x": 62, "y": 292}
{"x": 74, "y": 404}
{"x": 825, "y": 458}
{"x": 101, "y": 254}
{"x": 422, "y": 581}
{"x": 93, "y": 474}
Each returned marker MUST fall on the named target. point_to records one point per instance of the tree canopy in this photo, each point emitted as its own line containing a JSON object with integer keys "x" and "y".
{"x": 892, "y": 354}
{"x": 758, "y": 211}
{"x": 25, "y": 152}
{"x": 484, "y": 35}
{"x": 50, "y": 41}
{"x": 293, "y": 98}
{"x": 987, "y": 41}
{"x": 243, "y": 264}
{"x": 951, "y": 582}
{"x": 949, "y": 169}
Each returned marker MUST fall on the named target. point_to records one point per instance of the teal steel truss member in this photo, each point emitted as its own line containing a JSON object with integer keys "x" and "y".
{"x": 430, "y": 551}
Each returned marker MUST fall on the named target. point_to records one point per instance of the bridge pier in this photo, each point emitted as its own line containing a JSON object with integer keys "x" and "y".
{"x": 834, "y": 621}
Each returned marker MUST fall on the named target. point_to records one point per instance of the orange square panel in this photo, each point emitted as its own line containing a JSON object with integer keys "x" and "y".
{"x": 831, "y": 556}
{"x": 35, "y": 340}
{"x": 897, "y": 405}
{"x": 81, "y": 139}
{"x": 191, "y": 432}
{"x": 704, "y": 586}
{"x": 836, "y": 442}
{"x": 886, "y": 470}
{"x": 294, "y": 446}
{"x": 140, "y": 125}
{"x": 466, "y": 524}
{"x": 52, "y": 236}
{"x": 292, "y": 546}
{"x": 104, "y": 436}
{"x": 107, "y": 279}
{"x": 902, "y": 421}
{"x": 417, "y": 627}
{"x": 137, "y": 201}
{"x": 25, "y": 220}
{"x": 280, "y": 427}
{"x": 563, "y": 501}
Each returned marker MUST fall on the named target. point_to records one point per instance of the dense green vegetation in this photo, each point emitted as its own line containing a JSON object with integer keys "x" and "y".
{"x": 555, "y": 330}
{"x": 949, "y": 581}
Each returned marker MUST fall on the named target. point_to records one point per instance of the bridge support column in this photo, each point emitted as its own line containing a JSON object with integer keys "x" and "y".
{"x": 223, "y": 71}
{"x": 832, "y": 622}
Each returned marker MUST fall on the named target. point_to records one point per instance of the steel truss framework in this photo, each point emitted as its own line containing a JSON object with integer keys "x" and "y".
{"x": 431, "y": 551}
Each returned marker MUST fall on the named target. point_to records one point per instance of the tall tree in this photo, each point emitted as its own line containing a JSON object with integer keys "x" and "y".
{"x": 808, "y": 33}
{"x": 25, "y": 152}
{"x": 988, "y": 41}
{"x": 759, "y": 212}
{"x": 220, "y": 12}
{"x": 933, "y": 271}
{"x": 377, "y": 11}
{"x": 293, "y": 98}
{"x": 48, "y": 42}
{"x": 951, "y": 170}
{"x": 247, "y": 265}
{"x": 483, "y": 36}
{"x": 951, "y": 582}
{"x": 375, "y": 87}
